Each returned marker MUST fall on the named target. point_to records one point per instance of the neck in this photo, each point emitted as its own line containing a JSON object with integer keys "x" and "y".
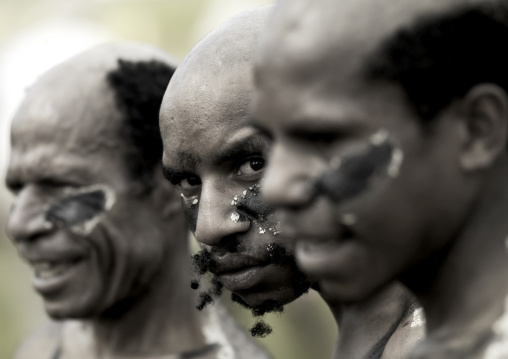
{"x": 366, "y": 327}
{"x": 162, "y": 321}
{"x": 469, "y": 284}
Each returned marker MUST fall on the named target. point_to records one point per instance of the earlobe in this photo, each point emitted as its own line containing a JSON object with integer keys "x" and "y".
{"x": 485, "y": 114}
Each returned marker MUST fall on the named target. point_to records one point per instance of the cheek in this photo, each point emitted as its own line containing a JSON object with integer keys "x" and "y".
{"x": 190, "y": 206}
{"x": 352, "y": 175}
{"x": 79, "y": 210}
{"x": 250, "y": 206}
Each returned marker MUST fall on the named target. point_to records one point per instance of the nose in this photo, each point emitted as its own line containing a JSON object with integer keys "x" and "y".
{"x": 289, "y": 178}
{"x": 26, "y": 220}
{"x": 217, "y": 218}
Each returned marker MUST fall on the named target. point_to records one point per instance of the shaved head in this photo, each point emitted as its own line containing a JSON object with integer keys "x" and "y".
{"x": 379, "y": 40}
{"x": 100, "y": 86}
{"x": 219, "y": 66}
{"x": 216, "y": 159}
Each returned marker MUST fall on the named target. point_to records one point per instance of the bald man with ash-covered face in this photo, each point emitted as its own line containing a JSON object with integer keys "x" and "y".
{"x": 217, "y": 160}
{"x": 94, "y": 218}
{"x": 390, "y": 119}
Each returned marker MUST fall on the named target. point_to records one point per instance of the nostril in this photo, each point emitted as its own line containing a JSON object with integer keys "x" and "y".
{"x": 25, "y": 227}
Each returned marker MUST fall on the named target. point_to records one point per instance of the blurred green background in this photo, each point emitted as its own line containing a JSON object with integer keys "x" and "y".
{"x": 35, "y": 35}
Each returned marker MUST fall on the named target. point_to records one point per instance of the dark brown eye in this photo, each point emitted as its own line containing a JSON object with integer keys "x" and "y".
{"x": 190, "y": 181}
{"x": 251, "y": 166}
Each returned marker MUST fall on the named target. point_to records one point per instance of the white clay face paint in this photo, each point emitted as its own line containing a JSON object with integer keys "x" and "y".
{"x": 190, "y": 201}
{"x": 349, "y": 219}
{"x": 235, "y": 216}
{"x": 381, "y": 137}
{"x": 262, "y": 220}
{"x": 418, "y": 318}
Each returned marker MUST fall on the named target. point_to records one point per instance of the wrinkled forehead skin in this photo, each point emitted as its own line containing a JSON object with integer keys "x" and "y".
{"x": 211, "y": 89}
{"x": 72, "y": 104}
{"x": 331, "y": 40}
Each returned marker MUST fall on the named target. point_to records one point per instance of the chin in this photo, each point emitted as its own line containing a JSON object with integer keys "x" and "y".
{"x": 338, "y": 293}
{"x": 260, "y": 299}
{"x": 69, "y": 309}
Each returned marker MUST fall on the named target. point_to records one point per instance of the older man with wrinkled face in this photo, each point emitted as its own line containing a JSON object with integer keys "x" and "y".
{"x": 390, "y": 120}
{"x": 94, "y": 218}
{"x": 217, "y": 160}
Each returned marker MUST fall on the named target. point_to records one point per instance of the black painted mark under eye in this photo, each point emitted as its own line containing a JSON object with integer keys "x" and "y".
{"x": 80, "y": 209}
{"x": 353, "y": 174}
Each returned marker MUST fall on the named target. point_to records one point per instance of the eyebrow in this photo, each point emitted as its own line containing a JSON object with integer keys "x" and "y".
{"x": 262, "y": 131}
{"x": 255, "y": 143}
{"x": 186, "y": 160}
{"x": 172, "y": 175}
{"x": 68, "y": 177}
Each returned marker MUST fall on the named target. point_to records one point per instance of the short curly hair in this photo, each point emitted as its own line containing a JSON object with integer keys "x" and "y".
{"x": 139, "y": 88}
{"x": 440, "y": 58}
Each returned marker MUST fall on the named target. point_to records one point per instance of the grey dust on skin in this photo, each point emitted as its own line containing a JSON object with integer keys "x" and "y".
{"x": 80, "y": 209}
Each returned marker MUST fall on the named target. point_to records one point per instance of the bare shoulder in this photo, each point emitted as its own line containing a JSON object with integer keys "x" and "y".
{"x": 408, "y": 334}
{"x": 42, "y": 344}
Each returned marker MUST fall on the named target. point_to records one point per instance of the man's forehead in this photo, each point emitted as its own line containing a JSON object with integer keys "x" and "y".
{"x": 305, "y": 31}
{"x": 79, "y": 105}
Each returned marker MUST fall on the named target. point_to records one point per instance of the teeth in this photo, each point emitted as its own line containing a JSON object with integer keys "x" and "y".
{"x": 46, "y": 274}
{"x": 47, "y": 270}
{"x": 42, "y": 266}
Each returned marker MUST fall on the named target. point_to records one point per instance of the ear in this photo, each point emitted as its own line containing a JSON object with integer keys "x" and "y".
{"x": 485, "y": 110}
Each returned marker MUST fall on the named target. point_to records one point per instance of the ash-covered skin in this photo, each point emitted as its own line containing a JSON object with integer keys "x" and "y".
{"x": 249, "y": 205}
{"x": 80, "y": 209}
{"x": 352, "y": 175}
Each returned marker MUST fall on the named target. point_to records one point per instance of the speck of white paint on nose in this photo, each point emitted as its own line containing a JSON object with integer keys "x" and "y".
{"x": 235, "y": 217}
{"x": 379, "y": 137}
{"x": 349, "y": 219}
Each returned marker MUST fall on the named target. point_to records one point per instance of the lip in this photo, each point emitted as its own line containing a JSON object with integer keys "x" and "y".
{"x": 62, "y": 270}
{"x": 318, "y": 258}
{"x": 239, "y": 272}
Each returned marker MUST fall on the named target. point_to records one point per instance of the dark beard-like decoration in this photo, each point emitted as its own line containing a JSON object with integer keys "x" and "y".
{"x": 204, "y": 263}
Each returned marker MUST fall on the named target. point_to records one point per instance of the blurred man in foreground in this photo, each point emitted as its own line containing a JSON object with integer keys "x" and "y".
{"x": 93, "y": 216}
{"x": 217, "y": 161}
{"x": 390, "y": 121}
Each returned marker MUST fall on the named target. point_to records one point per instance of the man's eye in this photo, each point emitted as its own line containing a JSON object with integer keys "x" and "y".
{"x": 14, "y": 186}
{"x": 251, "y": 166}
{"x": 189, "y": 182}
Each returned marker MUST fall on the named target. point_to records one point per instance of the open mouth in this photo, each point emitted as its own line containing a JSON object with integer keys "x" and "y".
{"x": 52, "y": 276}
{"x": 52, "y": 269}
